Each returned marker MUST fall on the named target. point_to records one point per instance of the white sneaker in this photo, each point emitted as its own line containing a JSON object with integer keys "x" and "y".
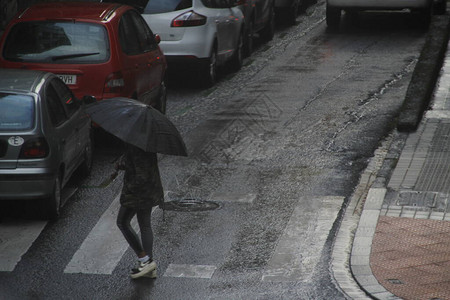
{"x": 147, "y": 269}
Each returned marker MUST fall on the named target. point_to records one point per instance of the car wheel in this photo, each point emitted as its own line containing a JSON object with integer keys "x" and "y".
{"x": 248, "y": 41}
{"x": 440, "y": 7}
{"x": 269, "y": 31}
{"x": 238, "y": 56}
{"x": 52, "y": 205}
{"x": 209, "y": 72}
{"x": 86, "y": 166}
{"x": 425, "y": 16}
{"x": 333, "y": 16}
{"x": 292, "y": 13}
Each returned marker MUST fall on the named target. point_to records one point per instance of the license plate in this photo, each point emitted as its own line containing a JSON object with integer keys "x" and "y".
{"x": 68, "y": 79}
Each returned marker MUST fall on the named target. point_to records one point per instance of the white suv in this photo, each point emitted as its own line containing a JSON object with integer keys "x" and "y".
{"x": 200, "y": 33}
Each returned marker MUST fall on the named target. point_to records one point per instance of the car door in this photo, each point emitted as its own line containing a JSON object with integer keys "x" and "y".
{"x": 65, "y": 133}
{"x": 225, "y": 22}
{"x": 142, "y": 60}
{"x": 153, "y": 67}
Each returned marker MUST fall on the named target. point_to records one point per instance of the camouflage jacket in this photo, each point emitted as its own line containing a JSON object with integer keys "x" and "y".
{"x": 142, "y": 186}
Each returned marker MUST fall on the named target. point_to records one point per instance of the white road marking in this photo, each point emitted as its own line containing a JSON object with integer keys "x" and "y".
{"x": 103, "y": 248}
{"x": 16, "y": 237}
{"x": 300, "y": 247}
{"x": 234, "y": 197}
{"x": 190, "y": 271}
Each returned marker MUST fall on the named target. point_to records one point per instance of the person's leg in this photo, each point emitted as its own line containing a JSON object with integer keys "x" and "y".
{"x": 145, "y": 225}
{"x": 124, "y": 223}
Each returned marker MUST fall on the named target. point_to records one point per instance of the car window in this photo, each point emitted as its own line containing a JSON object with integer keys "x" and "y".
{"x": 17, "y": 112}
{"x": 162, "y": 6}
{"x": 216, "y": 3}
{"x": 66, "y": 97}
{"x": 54, "y": 106}
{"x": 145, "y": 35}
{"x": 128, "y": 36}
{"x": 57, "y": 42}
{"x": 134, "y": 34}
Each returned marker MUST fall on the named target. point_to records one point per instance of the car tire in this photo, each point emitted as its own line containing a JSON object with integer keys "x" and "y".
{"x": 238, "y": 56}
{"x": 333, "y": 16}
{"x": 425, "y": 17}
{"x": 440, "y": 8}
{"x": 51, "y": 206}
{"x": 292, "y": 13}
{"x": 86, "y": 166}
{"x": 248, "y": 41}
{"x": 269, "y": 31}
{"x": 209, "y": 70}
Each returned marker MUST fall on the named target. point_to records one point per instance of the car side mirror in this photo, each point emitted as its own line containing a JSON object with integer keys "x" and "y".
{"x": 88, "y": 99}
{"x": 157, "y": 38}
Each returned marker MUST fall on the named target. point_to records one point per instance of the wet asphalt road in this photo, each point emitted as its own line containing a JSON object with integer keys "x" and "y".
{"x": 295, "y": 126}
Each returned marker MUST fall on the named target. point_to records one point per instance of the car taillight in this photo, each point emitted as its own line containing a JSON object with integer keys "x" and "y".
{"x": 114, "y": 83}
{"x": 189, "y": 19}
{"x": 35, "y": 148}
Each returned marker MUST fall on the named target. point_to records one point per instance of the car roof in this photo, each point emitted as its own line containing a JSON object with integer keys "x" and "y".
{"x": 71, "y": 10}
{"x": 21, "y": 80}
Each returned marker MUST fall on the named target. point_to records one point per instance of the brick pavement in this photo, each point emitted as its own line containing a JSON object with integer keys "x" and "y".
{"x": 411, "y": 257}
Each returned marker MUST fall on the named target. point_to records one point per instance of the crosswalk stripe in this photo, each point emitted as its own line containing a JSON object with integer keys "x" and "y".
{"x": 103, "y": 248}
{"x": 16, "y": 237}
{"x": 299, "y": 248}
{"x": 190, "y": 271}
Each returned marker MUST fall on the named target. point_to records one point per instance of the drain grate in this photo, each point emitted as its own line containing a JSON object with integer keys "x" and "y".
{"x": 190, "y": 204}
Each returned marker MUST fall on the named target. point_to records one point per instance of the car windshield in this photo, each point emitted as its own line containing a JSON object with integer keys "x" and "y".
{"x": 162, "y": 6}
{"x": 16, "y": 112}
{"x": 57, "y": 42}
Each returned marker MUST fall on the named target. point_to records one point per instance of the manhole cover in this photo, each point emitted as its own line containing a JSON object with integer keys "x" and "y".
{"x": 190, "y": 205}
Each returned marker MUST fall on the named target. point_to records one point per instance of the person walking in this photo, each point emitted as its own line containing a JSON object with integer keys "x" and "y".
{"x": 145, "y": 132}
{"x": 142, "y": 190}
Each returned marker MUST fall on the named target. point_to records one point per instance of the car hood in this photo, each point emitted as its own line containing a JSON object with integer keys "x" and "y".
{"x": 138, "y": 4}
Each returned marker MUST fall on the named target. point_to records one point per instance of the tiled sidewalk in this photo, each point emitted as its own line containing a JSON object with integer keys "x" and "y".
{"x": 410, "y": 252}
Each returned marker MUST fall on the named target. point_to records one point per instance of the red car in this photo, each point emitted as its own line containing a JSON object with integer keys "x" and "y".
{"x": 101, "y": 49}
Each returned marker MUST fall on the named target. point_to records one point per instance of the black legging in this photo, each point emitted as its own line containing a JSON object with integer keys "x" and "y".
{"x": 144, "y": 220}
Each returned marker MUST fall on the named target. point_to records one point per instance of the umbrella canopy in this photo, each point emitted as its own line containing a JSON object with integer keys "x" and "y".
{"x": 138, "y": 124}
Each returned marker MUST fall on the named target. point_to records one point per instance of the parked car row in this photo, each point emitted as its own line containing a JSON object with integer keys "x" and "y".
{"x": 53, "y": 54}
{"x": 207, "y": 34}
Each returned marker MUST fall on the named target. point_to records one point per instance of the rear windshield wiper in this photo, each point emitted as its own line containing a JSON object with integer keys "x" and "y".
{"x": 75, "y": 55}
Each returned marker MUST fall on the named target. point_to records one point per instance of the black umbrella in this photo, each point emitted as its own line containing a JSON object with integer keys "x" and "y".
{"x": 138, "y": 124}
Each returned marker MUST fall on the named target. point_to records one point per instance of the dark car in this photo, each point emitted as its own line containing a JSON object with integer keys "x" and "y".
{"x": 45, "y": 136}
{"x": 101, "y": 49}
{"x": 289, "y": 9}
{"x": 259, "y": 18}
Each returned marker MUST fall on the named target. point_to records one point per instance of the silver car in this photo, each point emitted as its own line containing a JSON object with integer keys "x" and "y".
{"x": 45, "y": 136}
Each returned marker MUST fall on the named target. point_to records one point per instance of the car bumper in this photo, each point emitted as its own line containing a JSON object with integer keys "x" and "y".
{"x": 377, "y": 4}
{"x": 23, "y": 186}
{"x": 196, "y": 42}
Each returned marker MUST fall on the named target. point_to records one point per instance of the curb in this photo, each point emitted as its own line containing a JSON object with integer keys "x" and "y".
{"x": 425, "y": 74}
{"x": 360, "y": 255}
